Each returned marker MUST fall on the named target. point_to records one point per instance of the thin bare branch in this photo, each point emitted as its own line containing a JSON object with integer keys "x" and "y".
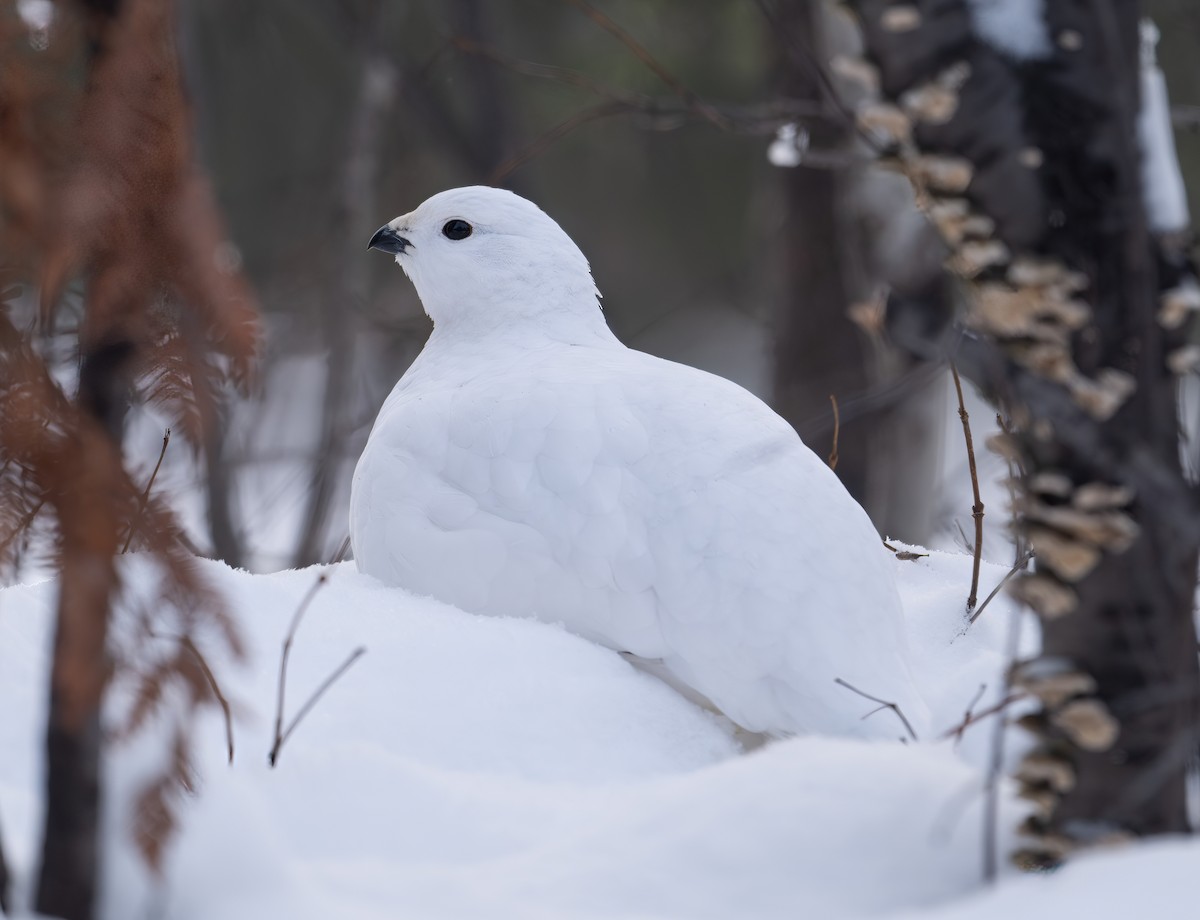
{"x": 991, "y": 802}
{"x": 803, "y": 55}
{"x": 312, "y": 700}
{"x": 973, "y": 718}
{"x": 301, "y": 609}
{"x": 957, "y": 731}
{"x": 545, "y": 140}
{"x": 187, "y": 643}
{"x": 651, "y": 63}
{"x": 977, "y": 508}
{"x": 1016, "y": 567}
{"x": 883, "y": 704}
{"x": 146, "y": 493}
{"x": 837, "y": 426}
{"x": 342, "y": 550}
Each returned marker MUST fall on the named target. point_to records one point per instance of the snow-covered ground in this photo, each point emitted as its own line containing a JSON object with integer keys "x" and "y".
{"x": 498, "y": 768}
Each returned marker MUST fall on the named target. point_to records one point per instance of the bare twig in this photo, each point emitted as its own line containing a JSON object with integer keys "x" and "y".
{"x": 973, "y": 718}
{"x": 342, "y": 550}
{"x": 1018, "y": 538}
{"x": 966, "y": 541}
{"x": 756, "y": 119}
{"x": 837, "y": 424}
{"x": 1016, "y": 567}
{"x": 187, "y": 643}
{"x": 210, "y": 677}
{"x": 803, "y": 55}
{"x": 282, "y": 734}
{"x": 651, "y": 63}
{"x": 977, "y": 508}
{"x": 991, "y": 802}
{"x": 545, "y": 140}
{"x": 146, "y": 493}
{"x": 883, "y": 704}
{"x": 312, "y": 700}
{"x": 322, "y": 579}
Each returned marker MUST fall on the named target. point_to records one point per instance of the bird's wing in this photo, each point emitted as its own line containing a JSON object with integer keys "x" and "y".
{"x": 649, "y": 506}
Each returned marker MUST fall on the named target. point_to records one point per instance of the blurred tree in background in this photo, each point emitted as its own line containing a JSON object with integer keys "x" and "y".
{"x": 641, "y": 126}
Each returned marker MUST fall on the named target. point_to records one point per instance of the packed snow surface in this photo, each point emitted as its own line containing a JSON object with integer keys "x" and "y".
{"x": 529, "y": 463}
{"x": 481, "y": 767}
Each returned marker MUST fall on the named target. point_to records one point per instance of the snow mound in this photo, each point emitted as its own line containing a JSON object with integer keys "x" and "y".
{"x": 485, "y": 767}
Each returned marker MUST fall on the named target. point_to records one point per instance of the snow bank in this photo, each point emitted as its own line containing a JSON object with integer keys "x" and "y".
{"x": 493, "y": 768}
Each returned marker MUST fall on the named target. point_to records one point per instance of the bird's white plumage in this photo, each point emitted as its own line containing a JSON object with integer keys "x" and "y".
{"x": 529, "y": 464}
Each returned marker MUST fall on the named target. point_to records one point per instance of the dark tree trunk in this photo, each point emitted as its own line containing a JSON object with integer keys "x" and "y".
{"x": 825, "y": 343}
{"x": 1032, "y": 171}
{"x": 818, "y": 350}
{"x": 377, "y": 87}
{"x": 89, "y": 476}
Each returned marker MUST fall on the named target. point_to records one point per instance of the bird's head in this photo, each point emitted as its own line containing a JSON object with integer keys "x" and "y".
{"x": 483, "y": 257}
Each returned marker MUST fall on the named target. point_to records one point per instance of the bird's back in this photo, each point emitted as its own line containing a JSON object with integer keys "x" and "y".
{"x": 649, "y": 506}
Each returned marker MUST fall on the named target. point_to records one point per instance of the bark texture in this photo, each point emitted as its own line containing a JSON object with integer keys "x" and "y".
{"x": 1031, "y": 171}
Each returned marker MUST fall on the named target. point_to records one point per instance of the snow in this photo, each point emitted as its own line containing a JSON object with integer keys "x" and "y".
{"x": 474, "y": 766}
{"x": 1163, "y": 189}
{"x": 788, "y": 147}
{"x": 1155, "y": 879}
{"x": 482, "y": 767}
{"x": 1014, "y": 27}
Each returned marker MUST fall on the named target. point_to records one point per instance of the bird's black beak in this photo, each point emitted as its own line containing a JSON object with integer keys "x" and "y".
{"x": 388, "y": 240}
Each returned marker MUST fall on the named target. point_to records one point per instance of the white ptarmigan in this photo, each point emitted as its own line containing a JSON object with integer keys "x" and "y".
{"x": 529, "y": 464}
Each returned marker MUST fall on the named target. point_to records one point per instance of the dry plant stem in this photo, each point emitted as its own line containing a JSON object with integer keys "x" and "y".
{"x": 957, "y": 732}
{"x": 1016, "y": 567}
{"x": 991, "y": 800}
{"x": 188, "y": 644}
{"x": 883, "y": 704}
{"x": 283, "y": 663}
{"x": 653, "y": 65}
{"x": 342, "y": 550}
{"x": 973, "y": 718}
{"x": 837, "y": 424}
{"x": 146, "y": 494}
{"x": 977, "y": 508}
{"x": 312, "y": 700}
{"x": 547, "y": 139}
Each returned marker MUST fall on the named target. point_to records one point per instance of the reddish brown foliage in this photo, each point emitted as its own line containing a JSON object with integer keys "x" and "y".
{"x": 98, "y": 181}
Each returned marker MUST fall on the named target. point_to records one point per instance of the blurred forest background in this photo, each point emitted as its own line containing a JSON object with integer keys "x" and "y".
{"x": 643, "y": 127}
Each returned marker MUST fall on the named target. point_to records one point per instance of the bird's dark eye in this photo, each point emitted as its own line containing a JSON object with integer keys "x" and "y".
{"x": 456, "y": 229}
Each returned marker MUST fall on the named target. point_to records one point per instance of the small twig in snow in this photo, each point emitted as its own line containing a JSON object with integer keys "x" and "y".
{"x": 974, "y": 718}
{"x": 991, "y": 801}
{"x": 282, "y": 734}
{"x": 977, "y": 508}
{"x": 146, "y": 494}
{"x": 283, "y": 663}
{"x": 1016, "y": 567}
{"x": 837, "y": 424}
{"x": 188, "y": 644}
{"x": 883, "y": 704}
